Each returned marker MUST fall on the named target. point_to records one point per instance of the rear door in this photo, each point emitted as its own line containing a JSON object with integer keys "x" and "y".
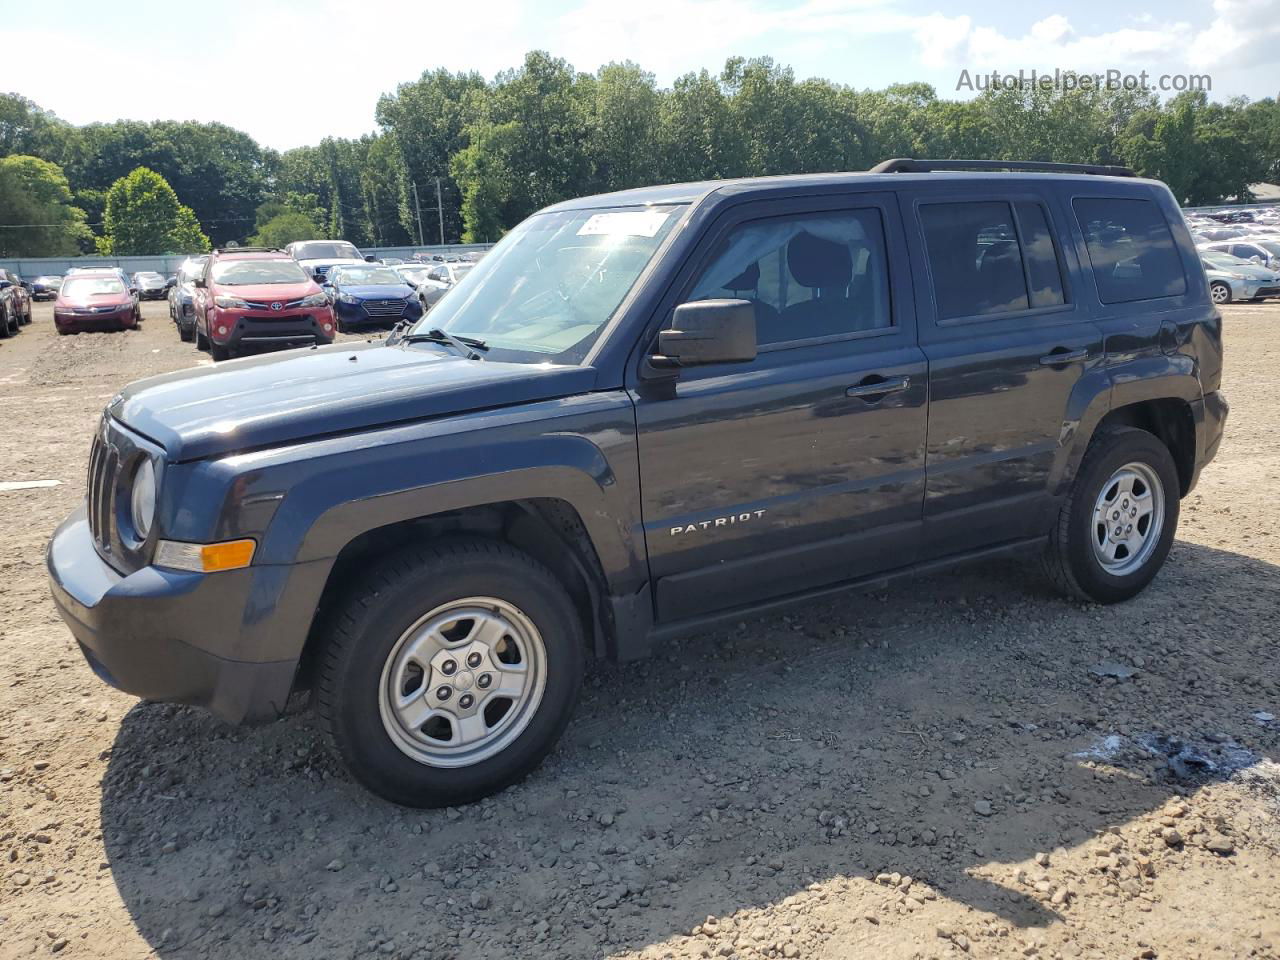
{"x": 804, "y": 467}
{"x": 1008, "y": 340}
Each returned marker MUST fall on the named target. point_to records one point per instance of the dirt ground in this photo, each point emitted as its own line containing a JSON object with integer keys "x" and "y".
{"x": 930, "y": 772}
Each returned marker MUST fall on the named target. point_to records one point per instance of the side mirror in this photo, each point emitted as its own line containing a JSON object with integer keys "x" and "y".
{"x": 1255, "y": 259}
{"x": 708, "y": 331}
{"x": 370, "y": 259}
{"x": 199, "y": 282}
{"x": 5, "y": 284}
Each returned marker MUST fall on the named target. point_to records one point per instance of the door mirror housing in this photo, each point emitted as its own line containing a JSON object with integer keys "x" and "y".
{"x": 708, "y": 331}
{"x": 199, "y": 282}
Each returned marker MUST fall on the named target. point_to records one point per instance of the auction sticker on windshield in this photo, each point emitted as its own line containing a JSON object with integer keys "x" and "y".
{"x": 637, "y": 223}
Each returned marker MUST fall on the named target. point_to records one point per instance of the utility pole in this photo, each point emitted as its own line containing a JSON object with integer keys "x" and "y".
{"x": 439, "y": 212}
{"x": 418, "y": 207}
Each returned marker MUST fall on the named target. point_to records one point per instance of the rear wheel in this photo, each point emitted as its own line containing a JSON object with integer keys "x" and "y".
{"x": 1220, "y": 292}
{"x": 186, "y": 331}
{"x": 450, "y": 671}
{"x": 6, "y": 328}
{"x": 1117, "y": 525}
{"x": 202, "y": 342}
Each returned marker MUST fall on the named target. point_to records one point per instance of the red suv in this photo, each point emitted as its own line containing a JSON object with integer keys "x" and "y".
{"x": 95, "y": 300}
{"x": 258, "y": 298}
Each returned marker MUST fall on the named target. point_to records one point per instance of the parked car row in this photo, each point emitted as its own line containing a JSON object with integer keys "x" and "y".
{"x": 15, "y": 303}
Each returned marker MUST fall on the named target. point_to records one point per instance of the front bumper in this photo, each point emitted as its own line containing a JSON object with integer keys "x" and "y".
{"x": 264, "y": 328}
{"x": 155, "y": 632}
{"x": 88, "y": 322}
{"x": 370, "y": 313}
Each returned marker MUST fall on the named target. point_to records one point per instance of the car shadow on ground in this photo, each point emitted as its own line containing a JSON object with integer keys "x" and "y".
{"x": 932, "y": 731}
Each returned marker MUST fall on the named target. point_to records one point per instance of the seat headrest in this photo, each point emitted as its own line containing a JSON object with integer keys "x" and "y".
{"x": 748, "y": 279}
{"x": 819, "y": 263}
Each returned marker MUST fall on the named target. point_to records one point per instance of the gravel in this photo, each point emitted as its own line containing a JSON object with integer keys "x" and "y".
{"x": 930, "y": 771}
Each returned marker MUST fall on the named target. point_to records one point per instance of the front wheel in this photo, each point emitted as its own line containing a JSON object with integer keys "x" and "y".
{"x": 1117, "y": 525}
{"x": 219, "y": 352}
{"x": 1220, "y": 292}
{"x": 450, "y": 671}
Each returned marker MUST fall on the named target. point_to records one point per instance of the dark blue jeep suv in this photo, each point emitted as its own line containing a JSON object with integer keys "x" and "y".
{"x": 641, "y": 414}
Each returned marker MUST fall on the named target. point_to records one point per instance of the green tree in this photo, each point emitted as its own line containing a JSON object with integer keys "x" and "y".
{"x": 143, "y": 216}
{"x": 37, "y": 217}
{"x": 284, "y": 228}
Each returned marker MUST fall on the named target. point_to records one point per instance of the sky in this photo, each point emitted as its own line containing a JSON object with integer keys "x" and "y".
{"x": 290, "y": 74}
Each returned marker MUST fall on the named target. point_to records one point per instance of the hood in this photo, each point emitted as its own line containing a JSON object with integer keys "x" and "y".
{"x": 378, "y": 291}
{"x": 260, "y": 292}
{"x": 1252, "y": 271}
{"x": 284, "y": 397}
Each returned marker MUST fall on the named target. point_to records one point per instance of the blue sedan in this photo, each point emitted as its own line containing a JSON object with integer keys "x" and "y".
{"x": 370, "y": 295}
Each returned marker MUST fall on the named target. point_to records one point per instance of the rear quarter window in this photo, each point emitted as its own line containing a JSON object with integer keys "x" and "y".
{"x": 1131, "y": 249}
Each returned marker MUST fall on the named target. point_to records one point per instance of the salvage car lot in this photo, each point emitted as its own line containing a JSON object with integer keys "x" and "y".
{"x": 968, "y": 763}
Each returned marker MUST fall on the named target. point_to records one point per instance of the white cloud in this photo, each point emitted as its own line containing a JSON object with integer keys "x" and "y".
{"x": 1241, "y": 35}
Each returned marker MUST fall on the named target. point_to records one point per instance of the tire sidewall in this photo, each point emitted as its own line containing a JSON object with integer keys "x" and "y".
{"x": 364, "y": 741}
{"x": 1122, "y": 448}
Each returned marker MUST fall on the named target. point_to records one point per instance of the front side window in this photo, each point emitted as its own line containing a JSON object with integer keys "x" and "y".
{"x": 1131, "y": 249}
{"x": 545, "y": 292}
{"x": 808, "y": 276}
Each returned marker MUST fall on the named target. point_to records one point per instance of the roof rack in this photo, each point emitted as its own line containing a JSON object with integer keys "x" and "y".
{"x": 248, "y": 250}
{"x": 909, "y": 165}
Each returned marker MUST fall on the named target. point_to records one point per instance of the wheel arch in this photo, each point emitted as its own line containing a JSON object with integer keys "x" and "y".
{"x": 549, "y": 529}
{"x": 1172, "y": 421}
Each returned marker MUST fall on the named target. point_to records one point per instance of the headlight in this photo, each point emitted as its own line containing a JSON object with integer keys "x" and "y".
{"x": 348, "y": 298}
{"x": 230, "y": 303}
{"x": 143, "y": 500}
{"x": 315, "y": 300}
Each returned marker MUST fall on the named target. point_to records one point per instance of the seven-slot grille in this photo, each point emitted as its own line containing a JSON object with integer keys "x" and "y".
{"x": 384, "y": 308}
{"x": 104, "y": 464}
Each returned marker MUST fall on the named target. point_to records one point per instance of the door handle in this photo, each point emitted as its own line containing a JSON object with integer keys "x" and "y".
{"x": 1064, "y": 356}
{"x": 878, "y": 388}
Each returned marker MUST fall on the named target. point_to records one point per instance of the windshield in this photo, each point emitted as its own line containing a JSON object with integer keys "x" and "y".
{"x": 366, "y": 275}
{"x": 242, "y": 273}
{"x": 1271, "y": 246}
{"x": 148, "y": 276}
{"x": 91, "y": 286}
{"x": 326, "y": 250}
{"x": 545, "y": 292}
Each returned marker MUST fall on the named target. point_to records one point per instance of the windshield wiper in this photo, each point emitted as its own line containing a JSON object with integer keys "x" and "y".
{"x": 463, "y": 345}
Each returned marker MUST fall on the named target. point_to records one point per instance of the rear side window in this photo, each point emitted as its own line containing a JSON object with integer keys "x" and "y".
{"x": 985, "y": 261}
{"x": 1131, "y": 249}
{"x": 1042, "y": 257}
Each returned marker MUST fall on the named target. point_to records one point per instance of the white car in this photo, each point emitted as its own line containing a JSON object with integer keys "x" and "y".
{"x": 1252, "y": 250}
{"x": 439, "y": 279}
{"x": 1231, "y": 278}
{"x": 317, "y": 256}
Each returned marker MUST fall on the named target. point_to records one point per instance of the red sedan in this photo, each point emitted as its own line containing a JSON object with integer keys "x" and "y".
{"x": 95, "y": 300}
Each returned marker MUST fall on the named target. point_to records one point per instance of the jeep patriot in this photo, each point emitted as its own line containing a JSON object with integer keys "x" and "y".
{"x": 640, "y": 414}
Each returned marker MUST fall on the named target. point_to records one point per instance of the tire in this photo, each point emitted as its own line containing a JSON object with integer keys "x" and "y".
{"x": 364, "y": 640}
{"x": 186, "y": 332}
{"x": 6, "y": 330}
{"x": 219, "y": 352}
{"x": 1073, "y": 559}
{"x": 1219, "y": 292}
{"x": 202, "y": 342}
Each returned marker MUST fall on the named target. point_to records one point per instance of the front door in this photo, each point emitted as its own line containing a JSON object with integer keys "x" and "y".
{"x": 804, "y": 467}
